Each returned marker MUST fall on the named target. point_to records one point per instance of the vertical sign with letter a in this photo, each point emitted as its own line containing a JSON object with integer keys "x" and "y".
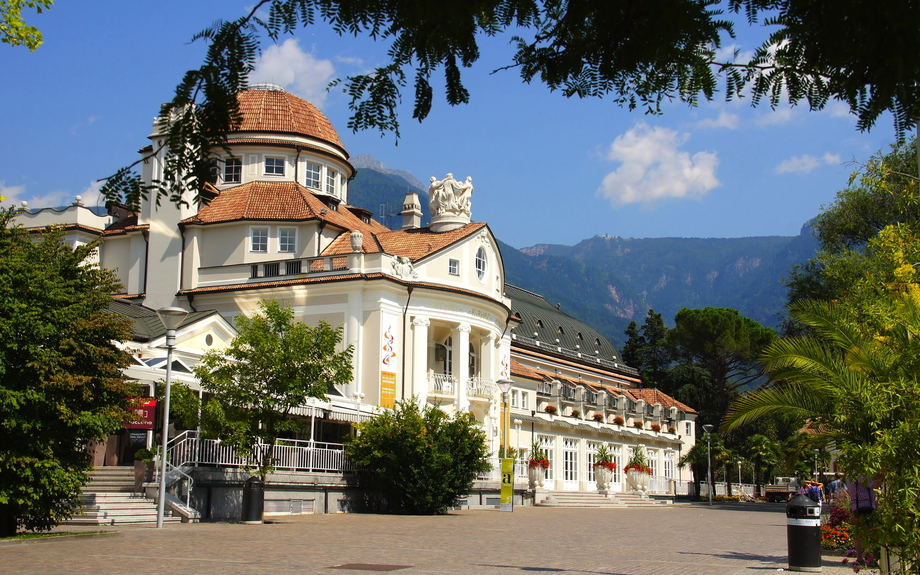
{"x": 507, "y": 496}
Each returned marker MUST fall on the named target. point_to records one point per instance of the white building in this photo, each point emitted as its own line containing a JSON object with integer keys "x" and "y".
{"x": 427, "y": 309}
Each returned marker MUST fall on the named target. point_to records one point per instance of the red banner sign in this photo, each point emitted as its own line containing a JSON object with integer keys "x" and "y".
{"x": 146, "y": 411}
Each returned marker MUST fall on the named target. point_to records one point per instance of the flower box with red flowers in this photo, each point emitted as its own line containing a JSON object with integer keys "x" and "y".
{"x": 656, "y": 428}
{"x": 598, "y": 417}
{"x": 536, "y": 462}
{"x": 551, "y": 409}
{"x": 633, "y": 467}
{"x": 618, "y": 421}
{"x": 611, "y": 465}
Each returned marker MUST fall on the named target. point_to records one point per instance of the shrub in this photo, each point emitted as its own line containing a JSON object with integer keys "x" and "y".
{"x": 422, "y": 460}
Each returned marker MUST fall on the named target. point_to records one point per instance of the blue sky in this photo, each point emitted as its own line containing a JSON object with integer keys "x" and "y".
{"x": 546, "y": 169}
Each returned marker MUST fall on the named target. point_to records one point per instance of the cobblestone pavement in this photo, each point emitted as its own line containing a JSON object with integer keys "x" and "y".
{"x": 725, "y": 539}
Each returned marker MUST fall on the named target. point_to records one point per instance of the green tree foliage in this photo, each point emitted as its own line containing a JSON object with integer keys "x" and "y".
{"x": 422, "y": 459}
{"x": 855, "y": 378}
{"x": 763, "y": 454}
{"x": 61, "y": 386}
{"x": 638, "y": 55}
{"x": 13, "y": 28}
{"x": 184, "y": 405}
{"x": 724, "y": 343}
{"x": 648, "y": 350}
{"x": 882, "y": 193}
{"x": 272, "y": 366}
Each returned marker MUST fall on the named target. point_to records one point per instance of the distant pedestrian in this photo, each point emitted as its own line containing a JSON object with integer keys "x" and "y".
{"x": 835, "y": 485}
{"x": 863, "y": 502}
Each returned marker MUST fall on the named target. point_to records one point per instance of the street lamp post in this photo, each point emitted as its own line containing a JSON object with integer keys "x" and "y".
{"x": 816, "y": 463}
{"x": 505, "y": 386}
{"x": 172, "y": 318}
{"x": 708, "y": 429}
{"x": 739, "y": 472}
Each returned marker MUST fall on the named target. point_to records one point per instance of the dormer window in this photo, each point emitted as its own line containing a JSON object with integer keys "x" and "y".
{"x": 233, "y": 171}
{"x": 540, "y": 323}
{"x": 274, "y": 166}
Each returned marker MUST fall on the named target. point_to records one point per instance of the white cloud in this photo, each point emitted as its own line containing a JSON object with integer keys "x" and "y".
{"x": 775, "y": 117}
{"x": 654, "y": 168}
{"x": 806, "y": 163}
{"x": 734, "y": 54}
{"x": 15, "y": 195}
{"x": 725, "y": 120}
{"x": 838, "y": 109}
{"x": 297, "y": 71}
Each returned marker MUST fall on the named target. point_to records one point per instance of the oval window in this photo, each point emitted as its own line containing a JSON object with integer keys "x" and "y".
{"x": 481, "y": 263}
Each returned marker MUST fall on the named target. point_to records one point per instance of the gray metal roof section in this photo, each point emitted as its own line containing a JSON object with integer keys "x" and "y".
{"x": 146, "y": 326}
{"x": 543, "y": 322}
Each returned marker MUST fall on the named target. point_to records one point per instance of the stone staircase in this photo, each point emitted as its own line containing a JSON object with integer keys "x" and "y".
{"x": 588, "y": 499}
{"x": 109, "y": 499}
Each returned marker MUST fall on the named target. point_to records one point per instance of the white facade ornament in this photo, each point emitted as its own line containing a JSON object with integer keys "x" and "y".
{"x": 357, "y": 241}
{"x": 449, "y": 202}
{"x": 403, "y": 268}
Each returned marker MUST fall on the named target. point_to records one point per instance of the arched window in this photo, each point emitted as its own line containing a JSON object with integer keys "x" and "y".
{"x": 449, "y": 356}
{"x": 473, "y": 360}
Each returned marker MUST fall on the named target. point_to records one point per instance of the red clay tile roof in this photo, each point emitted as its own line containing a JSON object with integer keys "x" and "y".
{"x": 282, "y": 201}
{"x": 523, "y": 371}
{"x": 279, "y": 111}
{"x": 653, "y": 396}
{"x": 124, "y": 226}
{"x": 413, "y": 244}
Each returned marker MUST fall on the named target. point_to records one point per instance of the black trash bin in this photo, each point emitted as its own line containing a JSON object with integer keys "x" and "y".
{"x": 803, "y": 534}
{"x": 253, "y": 500}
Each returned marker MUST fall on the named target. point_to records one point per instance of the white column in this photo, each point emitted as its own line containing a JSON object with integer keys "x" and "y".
{"x": 420, "y": 359}
{"x": 353, "y": 324}
{"x": 490, "y": 367}
{"x": 461, "y": 360}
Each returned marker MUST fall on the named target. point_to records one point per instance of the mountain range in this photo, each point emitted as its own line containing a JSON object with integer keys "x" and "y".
{"x": 608, "y": 281}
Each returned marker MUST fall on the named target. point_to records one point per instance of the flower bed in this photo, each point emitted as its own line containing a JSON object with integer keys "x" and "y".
{"x": 836, "y": 537}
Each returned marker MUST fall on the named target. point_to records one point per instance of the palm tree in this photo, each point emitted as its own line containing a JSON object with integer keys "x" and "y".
{"x": 763, "y": 455}
{"x": 857, "y": 383}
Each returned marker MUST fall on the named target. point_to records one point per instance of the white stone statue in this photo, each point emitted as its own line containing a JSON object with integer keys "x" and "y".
{"x": 403, "y": 268}
{"x": 449, "y": 197}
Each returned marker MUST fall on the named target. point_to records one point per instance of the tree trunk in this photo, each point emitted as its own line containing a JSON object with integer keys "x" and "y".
{"x": 8, "y": 521}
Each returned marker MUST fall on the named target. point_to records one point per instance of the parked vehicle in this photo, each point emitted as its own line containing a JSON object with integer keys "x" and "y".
{"x": 782, "y": 489}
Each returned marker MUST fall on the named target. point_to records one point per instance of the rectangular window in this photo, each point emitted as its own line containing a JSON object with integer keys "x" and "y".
{"x": 688, "y": 429}
{"x": 259, "y": 240}
{"x": 330, "y": 181}
{"x": 547, "y": 444}
{"x": 287, "y": 240}
{"x": 524, "y": 400}
{"x": 271, "y": 270}
{"x": 453, "y": 267}
{"x": 233, "y": 171}
{"x": 254, "y": 271}
{"x": 313, "y": 171}
{"x": 274, "y": 166}
{"x": 292, "y": 268}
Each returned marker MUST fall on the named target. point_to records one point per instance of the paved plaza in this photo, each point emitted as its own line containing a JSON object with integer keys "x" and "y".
{"x": 724, "y": 539}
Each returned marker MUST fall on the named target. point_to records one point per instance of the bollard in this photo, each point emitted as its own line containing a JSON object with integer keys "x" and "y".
{"x": 253, "y": 500}
{"x": 803, "y": 534}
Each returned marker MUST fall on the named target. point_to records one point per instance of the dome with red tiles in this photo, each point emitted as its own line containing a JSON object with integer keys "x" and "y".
{"x": 268, "y": 108}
